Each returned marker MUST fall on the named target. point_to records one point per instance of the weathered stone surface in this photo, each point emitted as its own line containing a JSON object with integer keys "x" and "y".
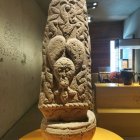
{"x": 66, "y": 91}
{"x": 70, "y": 131}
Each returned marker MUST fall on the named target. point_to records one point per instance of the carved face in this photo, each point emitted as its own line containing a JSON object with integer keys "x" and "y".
{"x": 64, "y": 70}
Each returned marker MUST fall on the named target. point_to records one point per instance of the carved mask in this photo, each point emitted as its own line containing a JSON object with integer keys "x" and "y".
{"x": 64, "y": 70}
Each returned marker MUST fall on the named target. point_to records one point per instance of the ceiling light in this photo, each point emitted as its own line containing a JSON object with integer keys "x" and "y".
{"x": 95, "y": 3}
{"x": 92, "y": 5}
{"x": 89, "y": 19}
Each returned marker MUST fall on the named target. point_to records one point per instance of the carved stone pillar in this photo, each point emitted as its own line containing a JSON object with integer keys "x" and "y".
{"x": 66, "y": 92}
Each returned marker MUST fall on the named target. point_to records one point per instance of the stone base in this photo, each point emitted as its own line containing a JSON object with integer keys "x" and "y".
{"x": 69, "y": 130}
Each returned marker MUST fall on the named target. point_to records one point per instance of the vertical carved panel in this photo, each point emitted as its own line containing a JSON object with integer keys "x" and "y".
{"x": 66, "y": 71}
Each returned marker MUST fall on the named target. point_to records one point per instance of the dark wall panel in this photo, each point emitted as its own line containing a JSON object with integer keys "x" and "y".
{"x": 101, "y": 33}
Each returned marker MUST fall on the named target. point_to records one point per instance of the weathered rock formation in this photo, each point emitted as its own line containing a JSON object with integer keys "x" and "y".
{"x": 66, "y": 91}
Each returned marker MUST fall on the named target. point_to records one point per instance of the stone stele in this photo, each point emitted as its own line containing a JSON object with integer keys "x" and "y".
{"x": 66, "y": 95}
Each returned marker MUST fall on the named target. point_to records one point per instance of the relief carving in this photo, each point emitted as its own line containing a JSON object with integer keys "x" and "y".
{"x": 66, "y": 91}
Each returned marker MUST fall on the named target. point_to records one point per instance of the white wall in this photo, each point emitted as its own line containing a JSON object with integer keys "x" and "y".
{"x": 132, "y": 25}
{"x": 21, "y": 32}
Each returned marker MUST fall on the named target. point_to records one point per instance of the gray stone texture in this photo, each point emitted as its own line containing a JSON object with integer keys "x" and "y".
{"x": 66, "y": 71}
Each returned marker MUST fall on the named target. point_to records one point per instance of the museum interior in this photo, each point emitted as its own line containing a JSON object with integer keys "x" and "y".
{"x": 114, "y": 28}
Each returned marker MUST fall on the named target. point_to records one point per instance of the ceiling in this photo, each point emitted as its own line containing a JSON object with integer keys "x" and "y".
{"x": 107, "y": 10}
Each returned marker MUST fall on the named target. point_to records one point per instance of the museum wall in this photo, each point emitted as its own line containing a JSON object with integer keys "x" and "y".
{"x": 132, "y": 26}
{"x": 101, "y": 33}
{"x": 137, "y": 60}
{"x": 21, "y": 33}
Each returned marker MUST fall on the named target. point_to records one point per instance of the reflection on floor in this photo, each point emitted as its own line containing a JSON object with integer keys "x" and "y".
{"x": 29, "y": 122}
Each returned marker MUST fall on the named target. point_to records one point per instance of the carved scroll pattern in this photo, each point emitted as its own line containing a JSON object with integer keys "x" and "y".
{"x": 66, "y": 76}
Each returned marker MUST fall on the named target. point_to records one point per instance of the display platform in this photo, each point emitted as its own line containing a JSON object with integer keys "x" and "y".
{"x": 100, "y": 134}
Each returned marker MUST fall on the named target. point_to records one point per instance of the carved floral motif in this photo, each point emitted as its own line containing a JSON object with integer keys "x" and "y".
{"x": 66, "y": 75}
